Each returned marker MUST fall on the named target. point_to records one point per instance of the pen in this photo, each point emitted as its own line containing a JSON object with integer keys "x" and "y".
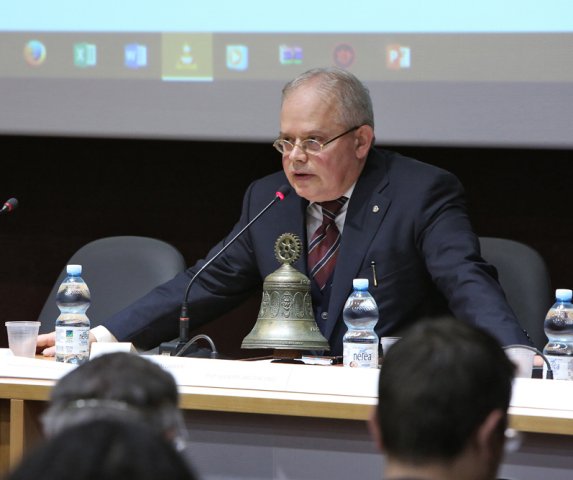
{"x": 373, "y": 266}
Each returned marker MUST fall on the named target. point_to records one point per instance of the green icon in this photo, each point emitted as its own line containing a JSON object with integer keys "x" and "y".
{"x": 85, "y": 55}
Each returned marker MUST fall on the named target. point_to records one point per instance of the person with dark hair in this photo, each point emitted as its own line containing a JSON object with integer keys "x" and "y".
{"x": 104, "y": 450}
{"x": 360, "y": 212}
{"x": 444, "y": 392}
{"x": 120, "y": 386}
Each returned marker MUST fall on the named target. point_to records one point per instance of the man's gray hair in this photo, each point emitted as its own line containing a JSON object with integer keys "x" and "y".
{"x": 353, "y": 102}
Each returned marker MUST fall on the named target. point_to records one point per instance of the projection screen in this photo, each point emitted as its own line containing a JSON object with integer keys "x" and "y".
{"x": 492, "y": 73}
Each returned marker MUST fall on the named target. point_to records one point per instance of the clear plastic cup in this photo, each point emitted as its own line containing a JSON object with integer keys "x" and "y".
{"x": 523, "y": 360}
{"x": 387, "y": 342}
{"x": 22, "y": 337}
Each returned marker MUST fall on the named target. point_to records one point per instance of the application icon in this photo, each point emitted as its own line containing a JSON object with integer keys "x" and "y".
{"x": 187, "y": 57}
{"x": 135, "y": 55}
{"x": 343, "y": 55}
{"x": 398, "y": 57}
{"x": 85, "y": 55}
{"x": 237, "y": 57}
{"x": 290, "y": 55}
{"x": 35, "y": 53}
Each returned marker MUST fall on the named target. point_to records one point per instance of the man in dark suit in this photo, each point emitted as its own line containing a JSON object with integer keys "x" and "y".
{"x": 403, "y": 224}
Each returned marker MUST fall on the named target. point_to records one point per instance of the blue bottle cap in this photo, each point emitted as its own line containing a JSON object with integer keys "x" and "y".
{"x": 74, "y": 270}
{"x": 563, "y": 294}
{"x": 360, "y": 284}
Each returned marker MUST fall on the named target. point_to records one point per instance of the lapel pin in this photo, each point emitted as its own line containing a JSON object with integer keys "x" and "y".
{"x": 375, "y": 208}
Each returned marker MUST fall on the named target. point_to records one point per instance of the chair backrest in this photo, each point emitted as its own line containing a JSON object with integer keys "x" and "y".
{"x": 118, "y": 271}
{"x": 524, "y": 277}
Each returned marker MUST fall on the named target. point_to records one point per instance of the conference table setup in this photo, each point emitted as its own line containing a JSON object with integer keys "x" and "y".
{"x": 353, "y": 175}
{"x": 259, "y": 419}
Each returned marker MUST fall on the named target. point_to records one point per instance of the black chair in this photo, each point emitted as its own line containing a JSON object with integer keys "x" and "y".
{"x": 117, "y": 270}
{"x": 525, "y": 279}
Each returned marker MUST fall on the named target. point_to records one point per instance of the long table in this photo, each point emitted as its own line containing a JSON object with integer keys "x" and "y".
{"x": 263, "y": 420}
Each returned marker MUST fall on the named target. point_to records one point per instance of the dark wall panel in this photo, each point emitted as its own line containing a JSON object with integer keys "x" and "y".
{"x": 73, "y": 190}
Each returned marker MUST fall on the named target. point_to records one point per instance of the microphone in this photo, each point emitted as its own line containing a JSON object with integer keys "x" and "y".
{"x": 174, "y": 347}
{"x": 9, "y": 206}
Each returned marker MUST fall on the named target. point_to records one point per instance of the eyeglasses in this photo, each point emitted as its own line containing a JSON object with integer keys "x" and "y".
{"x": 309, "y": 145}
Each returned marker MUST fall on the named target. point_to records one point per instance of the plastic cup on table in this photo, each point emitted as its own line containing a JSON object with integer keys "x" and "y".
{"x": 522, "y": 359}
{"x": 387, "y": 342}
{"x": 22, "y": 337}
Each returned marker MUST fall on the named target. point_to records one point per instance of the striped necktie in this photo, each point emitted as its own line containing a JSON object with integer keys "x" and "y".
{"x": 323, "y": 247}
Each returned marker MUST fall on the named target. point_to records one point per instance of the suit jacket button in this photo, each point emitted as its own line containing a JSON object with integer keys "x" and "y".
{"x": 324, "y": 315}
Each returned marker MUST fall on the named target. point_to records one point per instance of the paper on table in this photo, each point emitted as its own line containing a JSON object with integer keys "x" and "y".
{"x": 271, "y": 377}
{"x": 23, "y": 367}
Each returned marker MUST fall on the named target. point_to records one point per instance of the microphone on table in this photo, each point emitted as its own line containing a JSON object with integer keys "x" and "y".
{"x": 177, "y": 347}
{"x": 9, "y": 206}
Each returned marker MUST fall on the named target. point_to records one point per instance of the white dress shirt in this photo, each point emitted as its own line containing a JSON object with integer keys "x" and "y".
{"x": 314, "y": 215}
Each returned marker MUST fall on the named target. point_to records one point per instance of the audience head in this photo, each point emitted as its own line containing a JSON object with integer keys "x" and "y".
{"x": 444, "y": 392}
{"x": 120, "y": 386}
{"x": 104, "y": 449}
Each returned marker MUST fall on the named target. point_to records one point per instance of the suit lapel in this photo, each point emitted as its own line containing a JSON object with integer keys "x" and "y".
{"x": 366, "y": 210}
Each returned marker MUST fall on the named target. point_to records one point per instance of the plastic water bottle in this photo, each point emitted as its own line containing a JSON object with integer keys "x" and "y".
{"x": 360, "y": 343}
{"x": 73, "y": 325}
{"x": 559, "y": 330}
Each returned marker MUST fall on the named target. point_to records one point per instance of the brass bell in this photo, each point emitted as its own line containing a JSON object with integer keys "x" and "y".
{"x": 286, "y": 320}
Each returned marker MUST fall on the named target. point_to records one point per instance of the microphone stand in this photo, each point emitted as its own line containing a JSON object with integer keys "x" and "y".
{"x": 173, "y": 347}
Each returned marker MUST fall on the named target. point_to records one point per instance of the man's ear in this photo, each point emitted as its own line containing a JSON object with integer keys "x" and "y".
{"x": 363, "y": 140}
{"x": 490, "y": 432}
{"x": 374, "y": 428}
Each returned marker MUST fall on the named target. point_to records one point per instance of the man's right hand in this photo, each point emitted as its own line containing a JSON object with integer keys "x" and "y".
{"x": 46, "y": 343}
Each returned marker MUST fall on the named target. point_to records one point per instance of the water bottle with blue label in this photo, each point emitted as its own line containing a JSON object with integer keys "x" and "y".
{"x": 73, "y": 325}
{"x": 360, "y": 314}
{"x": 559, "y": 330}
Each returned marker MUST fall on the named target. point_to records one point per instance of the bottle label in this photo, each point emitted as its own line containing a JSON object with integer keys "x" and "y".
{"x": 360, "y": 355}
{"x": 72, "y": 344}
{"x": 562, "y": 367}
